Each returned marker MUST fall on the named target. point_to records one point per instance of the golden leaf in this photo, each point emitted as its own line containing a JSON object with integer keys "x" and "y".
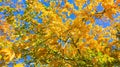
{"x": 8, "y": 54}
{"x": 19, "y": 65}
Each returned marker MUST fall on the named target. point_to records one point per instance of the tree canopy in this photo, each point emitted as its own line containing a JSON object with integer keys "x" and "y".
{"x": 60, "y": 33}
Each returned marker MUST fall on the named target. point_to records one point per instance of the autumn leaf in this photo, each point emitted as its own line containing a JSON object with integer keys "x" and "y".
{"x": 47, "y": 32}
{"x": 18, "y": 65}
{"x": 7, "y": 54}
{"x": 0, "y": 0}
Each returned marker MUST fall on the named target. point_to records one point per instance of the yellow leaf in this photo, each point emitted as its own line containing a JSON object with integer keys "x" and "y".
{"x": 0, "y": 56}
{"x": 8, "y": 54}
{"x": 19, "y": 65}
{"x": 18, "y": 55}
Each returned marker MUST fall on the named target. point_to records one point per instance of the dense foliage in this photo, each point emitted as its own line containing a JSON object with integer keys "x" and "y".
{"x": 60, "y": 33}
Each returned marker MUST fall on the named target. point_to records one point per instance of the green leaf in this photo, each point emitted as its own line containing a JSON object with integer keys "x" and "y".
{"x": 99, "y": 53}
{"x": 38, "y": 65}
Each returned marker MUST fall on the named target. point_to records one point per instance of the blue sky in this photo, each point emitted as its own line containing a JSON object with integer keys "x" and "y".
{"x": 72, "y": 16}
{"x": 47, "y": 4}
